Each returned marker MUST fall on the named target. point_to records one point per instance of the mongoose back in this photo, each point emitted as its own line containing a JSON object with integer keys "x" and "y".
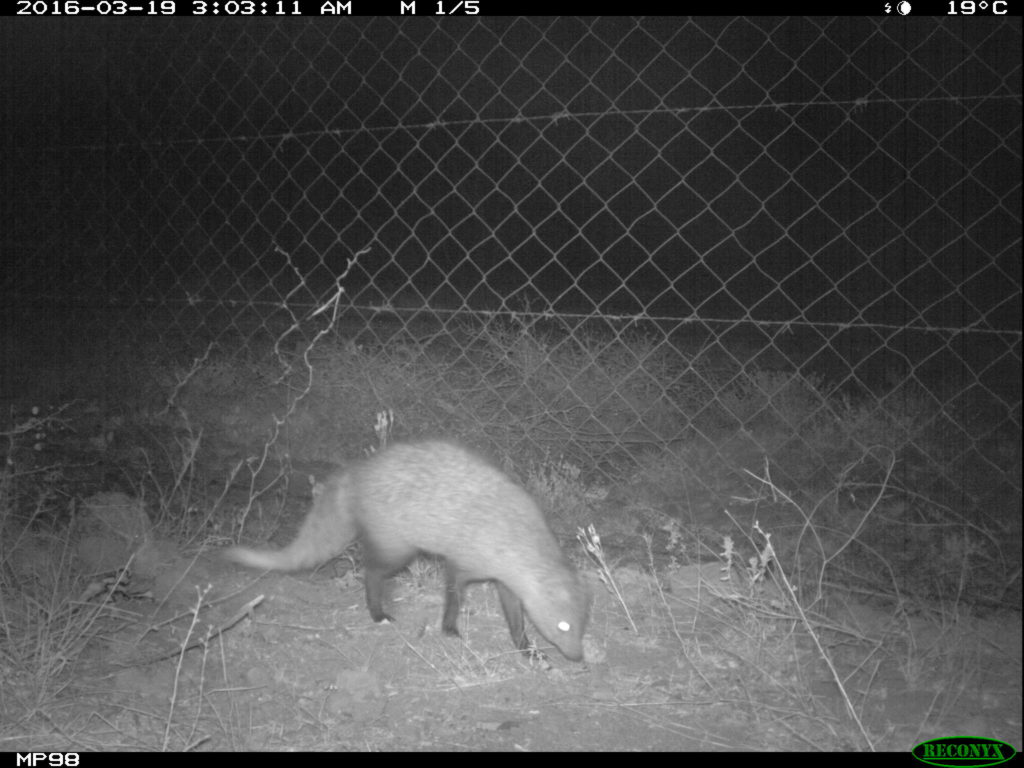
{"x": 441, "y": 499}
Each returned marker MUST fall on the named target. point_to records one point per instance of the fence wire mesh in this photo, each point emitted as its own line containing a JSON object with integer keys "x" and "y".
{"x": 733, "y": 238}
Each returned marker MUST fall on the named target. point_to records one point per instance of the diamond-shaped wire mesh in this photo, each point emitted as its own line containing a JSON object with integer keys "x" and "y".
{"x": 834, "y": 197}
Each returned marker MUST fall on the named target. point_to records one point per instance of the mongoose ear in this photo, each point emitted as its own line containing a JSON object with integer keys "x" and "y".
{"x": 318, "y": 488}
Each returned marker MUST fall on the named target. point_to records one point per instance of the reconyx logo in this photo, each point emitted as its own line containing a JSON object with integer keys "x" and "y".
{"x": 963, "y": 751}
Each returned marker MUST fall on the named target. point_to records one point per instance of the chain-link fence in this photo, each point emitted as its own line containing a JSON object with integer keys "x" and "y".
{"x": 746, "y": 232}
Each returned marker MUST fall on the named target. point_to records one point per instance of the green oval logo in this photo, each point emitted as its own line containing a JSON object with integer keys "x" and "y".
{"x": 960, "y": 751}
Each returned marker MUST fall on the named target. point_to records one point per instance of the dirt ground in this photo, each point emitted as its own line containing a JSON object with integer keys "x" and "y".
{"x": 293, "y": 662}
